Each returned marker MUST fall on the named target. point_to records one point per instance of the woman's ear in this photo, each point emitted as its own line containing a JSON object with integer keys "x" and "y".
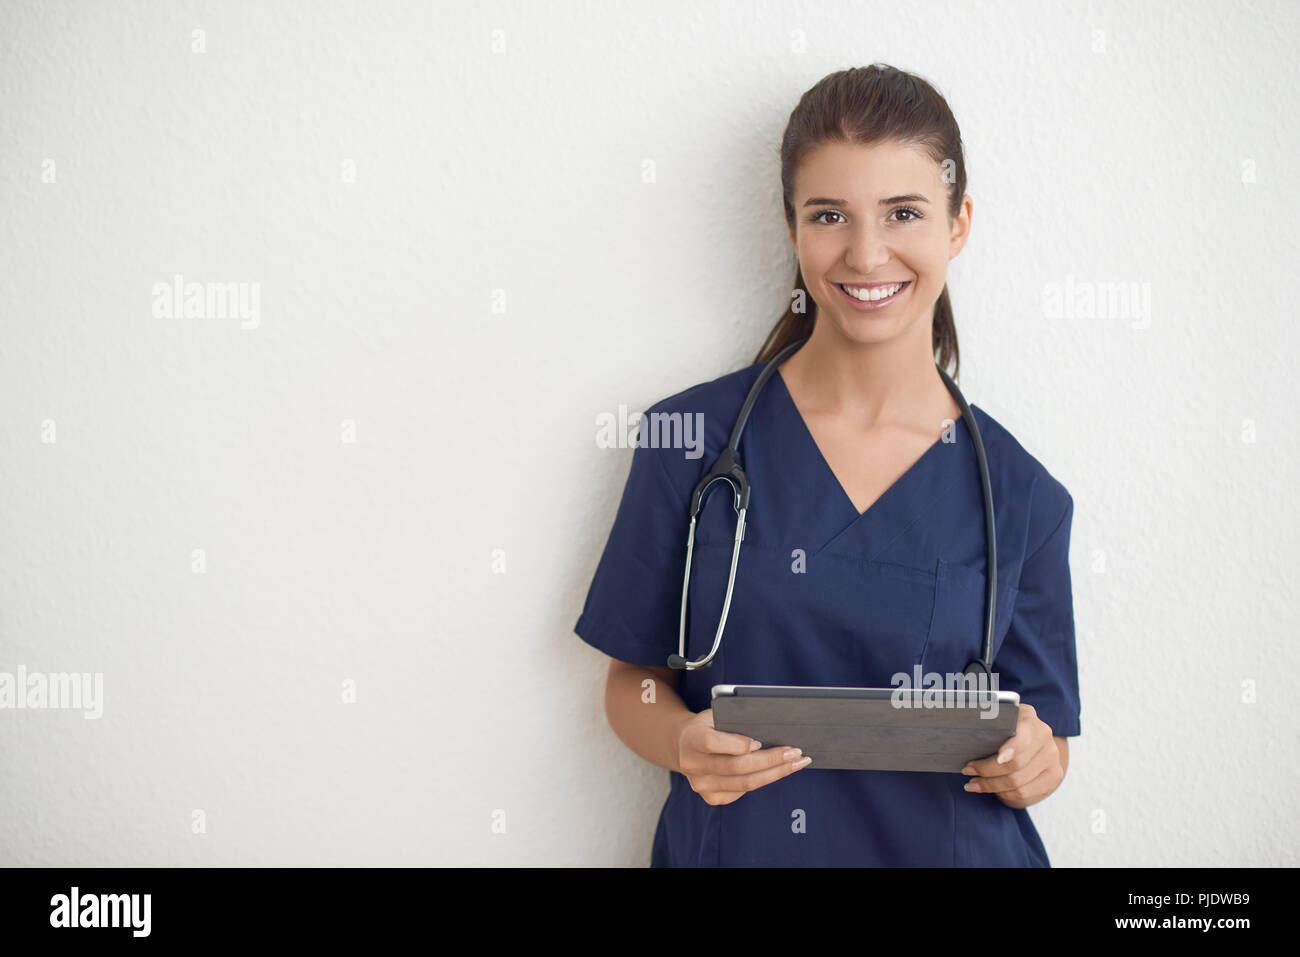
{"x": 961, "y": 226}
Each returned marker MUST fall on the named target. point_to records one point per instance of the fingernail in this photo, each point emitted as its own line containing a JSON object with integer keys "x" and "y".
{"x": 802, "y": 763}
{"x": 1005, "y": 756}
{"x": 968, "y": 770}
{"x": 791, "y": 754}
{"x": 971, "y": 786}
{"x": 755, "y": 745}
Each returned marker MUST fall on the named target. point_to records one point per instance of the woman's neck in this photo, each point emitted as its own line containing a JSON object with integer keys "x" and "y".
{"x": 894, "y": 382}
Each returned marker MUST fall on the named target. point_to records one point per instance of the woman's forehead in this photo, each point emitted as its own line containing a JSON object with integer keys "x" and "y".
{"x": 854, "y": 171}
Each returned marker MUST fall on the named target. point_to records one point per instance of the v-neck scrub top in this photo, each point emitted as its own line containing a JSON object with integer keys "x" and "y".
{"x": 827, "y": 596}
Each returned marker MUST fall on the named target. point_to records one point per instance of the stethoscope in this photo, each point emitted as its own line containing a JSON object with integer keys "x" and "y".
{"x": 727, "y": 469}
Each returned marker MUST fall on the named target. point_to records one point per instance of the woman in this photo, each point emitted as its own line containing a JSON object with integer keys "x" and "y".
{"x": 864, "y": 550}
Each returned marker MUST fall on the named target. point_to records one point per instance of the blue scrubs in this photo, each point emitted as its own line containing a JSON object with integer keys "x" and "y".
{"x": 827, "y": 596}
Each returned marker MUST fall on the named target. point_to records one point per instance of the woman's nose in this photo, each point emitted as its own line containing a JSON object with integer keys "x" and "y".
{"x": 868, "y": 250}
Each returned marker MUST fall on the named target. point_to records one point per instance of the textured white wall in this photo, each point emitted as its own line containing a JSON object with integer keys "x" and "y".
{"x": 499, "y": 152}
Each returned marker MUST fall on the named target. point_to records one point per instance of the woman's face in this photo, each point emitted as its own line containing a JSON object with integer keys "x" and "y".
{"x": 871, "y": 217}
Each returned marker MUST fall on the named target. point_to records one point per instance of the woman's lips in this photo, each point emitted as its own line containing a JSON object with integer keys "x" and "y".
{"x": 861, "y": 306}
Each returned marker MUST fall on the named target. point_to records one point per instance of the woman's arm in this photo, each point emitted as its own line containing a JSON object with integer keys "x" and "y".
{"x": 647, "y": 718}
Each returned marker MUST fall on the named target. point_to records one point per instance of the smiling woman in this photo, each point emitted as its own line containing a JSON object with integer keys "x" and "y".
{"x": 865, "y": 541}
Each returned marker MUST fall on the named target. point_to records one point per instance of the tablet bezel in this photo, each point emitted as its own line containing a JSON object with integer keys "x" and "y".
{"x": 1009, "y": 698}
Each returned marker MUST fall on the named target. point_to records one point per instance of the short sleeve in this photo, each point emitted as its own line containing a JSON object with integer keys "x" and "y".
{"x": 633, "y": 608}
{"x": 1037, "y": 658}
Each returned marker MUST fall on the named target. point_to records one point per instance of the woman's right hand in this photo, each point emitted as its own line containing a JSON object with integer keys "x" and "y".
{"x": 722, "y": 766}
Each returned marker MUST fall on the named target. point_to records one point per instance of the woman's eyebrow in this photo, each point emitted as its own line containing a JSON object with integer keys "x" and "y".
{"x": 908, "y": 198}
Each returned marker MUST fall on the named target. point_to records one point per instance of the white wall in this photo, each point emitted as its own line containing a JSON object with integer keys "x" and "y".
{"x": 499, "y": 152}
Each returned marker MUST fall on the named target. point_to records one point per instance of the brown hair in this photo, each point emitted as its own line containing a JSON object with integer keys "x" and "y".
{"x": 865, "y": 106}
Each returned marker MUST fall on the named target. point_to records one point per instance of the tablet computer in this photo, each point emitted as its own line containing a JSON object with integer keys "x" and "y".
{"x": 871, "y": 729}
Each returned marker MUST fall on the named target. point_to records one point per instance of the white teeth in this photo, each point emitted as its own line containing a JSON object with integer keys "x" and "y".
{"x": 872, "y": 295}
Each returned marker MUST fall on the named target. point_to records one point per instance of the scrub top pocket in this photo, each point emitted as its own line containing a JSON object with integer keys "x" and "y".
{"x": 808, "y": 620}
{"x": 956, "y": 633}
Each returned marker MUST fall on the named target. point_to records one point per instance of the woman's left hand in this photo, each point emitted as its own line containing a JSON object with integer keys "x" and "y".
{"x": 1032, "y": 764}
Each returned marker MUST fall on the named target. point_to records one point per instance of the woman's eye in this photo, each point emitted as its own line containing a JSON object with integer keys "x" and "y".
{"x": 912, "y": 214}
{"x": 825, "y": 212}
